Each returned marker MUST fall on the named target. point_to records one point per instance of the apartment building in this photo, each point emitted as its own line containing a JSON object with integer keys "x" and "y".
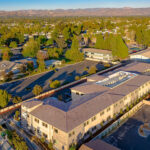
{"x": 142, "y": 56}
{"x": 98, "y": 54}
{"x": 94, "y": 104}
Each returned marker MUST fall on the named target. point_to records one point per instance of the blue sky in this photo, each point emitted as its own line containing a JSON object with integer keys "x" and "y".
{"x": 67, "y": 4}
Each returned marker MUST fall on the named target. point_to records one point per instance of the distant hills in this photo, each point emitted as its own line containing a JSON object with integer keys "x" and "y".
{"x": 126, "y": 11}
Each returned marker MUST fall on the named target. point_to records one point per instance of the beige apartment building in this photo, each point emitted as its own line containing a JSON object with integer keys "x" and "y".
{"x": 98, "y": 54}
{"x": 94, "y": 104}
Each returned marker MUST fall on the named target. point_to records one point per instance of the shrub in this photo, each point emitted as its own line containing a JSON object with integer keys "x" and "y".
{"x": 50, "y": 145}
{"x": 107, "y": 65}
{"x": 92, "y": 70}
{"x": 77, "y": 78}
{"x": 17, "y": 99}
{"x": 42, "y": 139}
{"x": 37, "y": 90}
{"x": 55, "y": 84}
{"x": 121, "y": 111}
{"x": 127, "y": 108}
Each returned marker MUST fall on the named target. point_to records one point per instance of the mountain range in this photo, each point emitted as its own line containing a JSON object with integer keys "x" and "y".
{"x": 126, "y": 11}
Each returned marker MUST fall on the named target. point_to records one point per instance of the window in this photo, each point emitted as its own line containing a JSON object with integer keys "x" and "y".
{"x": 56, "y": 131}
{"x": 94, "y": 118}
{"x": 45, "y": 135}
{"x": 44, "y": 124}
{"x": 108, "y": 118}
{"x": 115, "y": 105}
{"x": 108, "y": 109}
{"x": 54, "y": 141}
{"x": 94, "y": 128}
{"x": 86, "y": 123}
{"x": 101, "y": 113}
{"x": 36, "y": 120}
{"x": 72, "y": 133}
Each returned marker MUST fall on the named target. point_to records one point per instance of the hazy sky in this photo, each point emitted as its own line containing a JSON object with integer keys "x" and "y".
{"x": 66, "y": 4}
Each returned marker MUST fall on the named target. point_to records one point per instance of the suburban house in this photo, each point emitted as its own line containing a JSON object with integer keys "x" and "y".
{"x": 143, "y": 56}
{"x": 94, "y": 105}
{"x": 98, "y": 54}
{"x": 7, "y": 67}
{"x": 52, "y": 62}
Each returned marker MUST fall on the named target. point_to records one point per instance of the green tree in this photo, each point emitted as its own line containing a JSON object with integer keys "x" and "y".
{"x": 77, "y": 78}
{"x": 17, "y": 114}
{"x": 55, "y": 52}
{"x": 13, "y": 44}
{"x": 41, "y": 62}
{"x": 42, "y": 139}
{"x": 37, "y": 90}
{"x": 50, "y": 145}
{"x": 17, "y": 99}
{"x": 99, "y": 42}
{"x": 31, "y": 48}
{"x": 50, "y": 42}
{"x": 74, "y": 53}
{"x": 30, "y": 66}
{"x": 42, "y": 39}
{"x": 5, "y": 98}
{"x": 92, "y": 70}
{"x": 6, "y": 54}
{"x": 67, "y": 33}
{"x": 61, "y": 43}
{"x": 121, "y": 49}
{"x": 55, "y": 84}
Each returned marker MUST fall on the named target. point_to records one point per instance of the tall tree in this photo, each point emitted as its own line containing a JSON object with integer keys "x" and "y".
{"x": 74, "y": 53}
{"x": 41, "y": 62}
{"x": 120, "y": 50}
{"x": 6, "y": 54}
{"x": 99, "y": 42}
{"x": 37, "y": 90}
{"x": 5, "y": 98}
{"x": 31, "y": 48}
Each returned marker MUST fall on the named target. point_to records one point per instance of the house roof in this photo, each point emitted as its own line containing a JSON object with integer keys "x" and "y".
{"x": 6, "y": 65}
{"x": 67, "y": 116}
{"x": 32, "y": 103}
{"x": 97, "y": 145}
{"x": 94, "y": 50}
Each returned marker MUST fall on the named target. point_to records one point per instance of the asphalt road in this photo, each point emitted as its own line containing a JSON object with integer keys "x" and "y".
{"x": 23, "y": 87}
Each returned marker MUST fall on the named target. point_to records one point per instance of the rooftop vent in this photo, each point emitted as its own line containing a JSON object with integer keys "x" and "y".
{"x": 116, "y": 79}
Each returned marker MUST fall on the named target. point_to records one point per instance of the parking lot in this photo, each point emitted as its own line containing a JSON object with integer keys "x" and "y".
{"x": 126, "y": 137}
{"x": 23, "y": 87}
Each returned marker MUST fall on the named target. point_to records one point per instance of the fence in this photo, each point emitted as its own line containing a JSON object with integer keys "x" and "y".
{"x": 119, "y": 121}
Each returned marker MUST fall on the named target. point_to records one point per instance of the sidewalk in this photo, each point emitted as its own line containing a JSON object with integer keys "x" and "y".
{"x": 31, "y": 145}
{"x": 4, "y": 145}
